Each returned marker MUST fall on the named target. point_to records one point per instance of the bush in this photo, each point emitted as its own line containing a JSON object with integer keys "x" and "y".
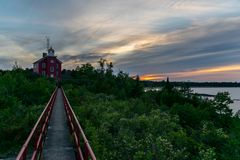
{"x": 22, "y": 98}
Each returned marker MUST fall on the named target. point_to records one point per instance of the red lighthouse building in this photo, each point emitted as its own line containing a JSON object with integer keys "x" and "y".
{"x": 48, "y": 65}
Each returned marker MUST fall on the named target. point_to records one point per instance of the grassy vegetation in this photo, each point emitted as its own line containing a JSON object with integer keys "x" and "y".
{"x": 120, "y": 120}
{"x": 22, "y": 99}
{"x": 123, "y": 122}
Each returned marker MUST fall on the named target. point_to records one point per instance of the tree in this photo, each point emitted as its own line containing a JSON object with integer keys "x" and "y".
{"x": 109, "y": 68}
{"x": 20, "y": 106}
{"x": 102, "y": 64}
{"x": 16, "y": 67}
{"x": 221, "y": 103}
{"x": 224, "y": 114}
{"x": 123, "y": 122}
{"x": 186, "y": 90}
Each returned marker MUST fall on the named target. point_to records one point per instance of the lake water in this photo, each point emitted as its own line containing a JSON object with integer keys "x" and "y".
{"x": 234, "y": 93}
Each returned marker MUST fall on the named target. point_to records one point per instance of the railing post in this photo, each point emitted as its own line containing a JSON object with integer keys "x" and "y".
{"x": 86, "y": 152}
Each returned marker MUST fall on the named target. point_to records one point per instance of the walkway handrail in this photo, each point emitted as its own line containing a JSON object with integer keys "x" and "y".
{"x": 84, "y": 151}
{"x": 36, "y": 138}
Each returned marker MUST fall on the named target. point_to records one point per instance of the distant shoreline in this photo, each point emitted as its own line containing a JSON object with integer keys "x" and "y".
{"x": 215, "y": 87}
{"x": 192, "y": 84}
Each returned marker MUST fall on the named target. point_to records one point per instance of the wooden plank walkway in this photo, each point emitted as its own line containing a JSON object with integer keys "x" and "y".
{"x": 58, "y": 144}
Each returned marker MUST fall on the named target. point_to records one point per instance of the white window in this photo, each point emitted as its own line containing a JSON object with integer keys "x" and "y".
{"x": 52, "y": 69}
{"x": 43, "y": 65}
{"x": 36, "y": 65}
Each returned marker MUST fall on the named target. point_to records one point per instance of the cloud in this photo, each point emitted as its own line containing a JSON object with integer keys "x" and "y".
{"x": 85, "y": 57}
{"x": 139, "y": 36}
{"x": 6, "y": 63}
{"x": 72, "y": 61}
{"x": 210, "y": 44}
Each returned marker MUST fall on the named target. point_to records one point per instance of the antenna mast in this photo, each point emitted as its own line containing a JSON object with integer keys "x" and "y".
{"x": 48, "y": 42}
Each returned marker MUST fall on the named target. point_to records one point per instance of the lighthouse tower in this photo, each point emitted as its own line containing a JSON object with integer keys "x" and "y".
{"x": 51, "y": 52}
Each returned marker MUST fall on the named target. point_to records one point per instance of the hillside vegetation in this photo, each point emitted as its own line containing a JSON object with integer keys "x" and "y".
{"x": 122, "y": 121}
{"x": 23, "y": 96}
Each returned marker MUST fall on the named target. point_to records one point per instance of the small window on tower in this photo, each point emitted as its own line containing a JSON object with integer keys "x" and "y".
{"x": 52, "y": 61}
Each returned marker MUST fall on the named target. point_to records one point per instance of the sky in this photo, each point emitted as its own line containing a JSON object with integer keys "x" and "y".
{"x": 185, "y": 40}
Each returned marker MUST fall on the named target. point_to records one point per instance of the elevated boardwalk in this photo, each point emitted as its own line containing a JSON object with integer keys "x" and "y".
{"x": 58, "y": 143}
{"x": 57, "y": 134}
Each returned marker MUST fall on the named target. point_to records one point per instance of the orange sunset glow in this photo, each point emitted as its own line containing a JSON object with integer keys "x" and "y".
{"x": 187, "y": 74}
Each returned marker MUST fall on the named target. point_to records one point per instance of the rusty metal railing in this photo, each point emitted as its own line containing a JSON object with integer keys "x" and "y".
{"x": 35, "y": 140}
{"x": 83, "y": 148}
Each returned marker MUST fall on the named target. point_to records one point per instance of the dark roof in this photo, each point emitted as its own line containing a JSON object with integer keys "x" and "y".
{"x": 46, "y": 58}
